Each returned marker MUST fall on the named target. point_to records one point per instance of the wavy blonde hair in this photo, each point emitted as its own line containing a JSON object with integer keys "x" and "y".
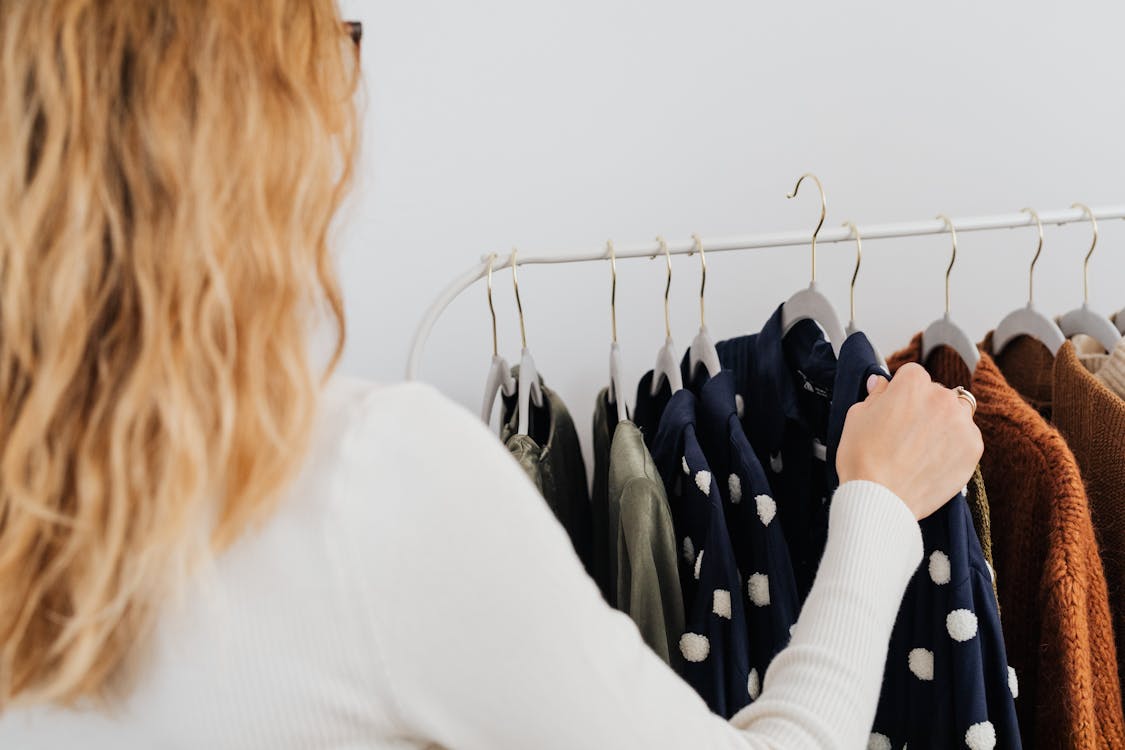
{"x": 170, "y": 171}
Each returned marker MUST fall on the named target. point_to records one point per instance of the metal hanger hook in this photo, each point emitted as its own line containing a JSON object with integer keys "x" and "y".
{"x": 667, "y": 286}
{"x": 952, "y": 258}
{"x": 613, "y": 287}
{"x": 1038, "y": 250}
{"x": 491, "y": 309}
{"x": 1093, "y": 243}
{"x": 823, "y": 213}
{"x": 703, "y": 281}
{"x": 855, "y": 274}
{"x": 519, "y": 305}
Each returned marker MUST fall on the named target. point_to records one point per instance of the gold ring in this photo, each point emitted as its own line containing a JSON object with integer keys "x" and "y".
{"x": 968, "y": 398}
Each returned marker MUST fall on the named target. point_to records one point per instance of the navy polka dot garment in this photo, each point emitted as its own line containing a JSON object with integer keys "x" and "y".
{"x": 714, "y": 648}
{"x": 946, "y": 682}
{"x": 760, "y": 549}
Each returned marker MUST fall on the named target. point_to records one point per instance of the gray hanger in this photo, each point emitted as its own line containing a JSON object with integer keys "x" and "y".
{"x": 499, "y": 374}
{"x": 616, "y": 383}
{"x": 810, "y": 303}
{"x": 943, "y": 331}
{"x": 1083, "y": 319}
{"x": 1029, "y": 321}
{"x": 529, "y": 390}
{"x": 852, "y": 326}
{"x": 703, "y": 351}
{"x": 667, "y": 368}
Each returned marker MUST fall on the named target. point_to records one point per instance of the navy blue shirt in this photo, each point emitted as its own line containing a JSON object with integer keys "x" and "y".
{"x": 715, "y": 649}
{"x": 769, "y": 590}
{"x": 786, "y": 387}
{"x": 946, "y": 682}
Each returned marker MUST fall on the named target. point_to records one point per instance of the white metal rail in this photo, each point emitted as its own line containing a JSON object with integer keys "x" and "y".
{"x": 651, "y": 249}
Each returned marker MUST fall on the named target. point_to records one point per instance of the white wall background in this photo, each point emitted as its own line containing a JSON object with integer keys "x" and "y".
{"x": 556, "y": 125}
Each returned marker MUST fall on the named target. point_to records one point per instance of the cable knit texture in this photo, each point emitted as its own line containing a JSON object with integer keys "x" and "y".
{"x": 1091, "y": 418}
{"x": 1056, "y": 617}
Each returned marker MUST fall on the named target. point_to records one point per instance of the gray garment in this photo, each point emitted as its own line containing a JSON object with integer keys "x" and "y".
{"x": 642, "y": 545}
{"x": 605, "y": 420}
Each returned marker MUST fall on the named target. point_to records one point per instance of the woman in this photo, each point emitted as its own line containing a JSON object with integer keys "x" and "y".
{"x": 204, "y": 543}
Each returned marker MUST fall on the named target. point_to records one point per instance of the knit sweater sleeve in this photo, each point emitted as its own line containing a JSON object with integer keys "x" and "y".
{"x": 490, "y": 635}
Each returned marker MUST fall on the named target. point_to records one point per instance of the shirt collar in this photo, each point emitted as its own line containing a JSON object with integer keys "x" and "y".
{"x": 774, "y": 391}
{"x": 679, "y": 414}
{"x": 857, "y": 362}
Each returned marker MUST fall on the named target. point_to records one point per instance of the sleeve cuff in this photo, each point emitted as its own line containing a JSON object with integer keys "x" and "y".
{"x": 873, "y": 535}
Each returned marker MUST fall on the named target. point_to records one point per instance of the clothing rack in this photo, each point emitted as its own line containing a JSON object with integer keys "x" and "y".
{"x": 652, "y": 249}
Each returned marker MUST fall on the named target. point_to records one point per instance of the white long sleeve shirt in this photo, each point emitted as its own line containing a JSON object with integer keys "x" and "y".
{"x": 412, "y": 590}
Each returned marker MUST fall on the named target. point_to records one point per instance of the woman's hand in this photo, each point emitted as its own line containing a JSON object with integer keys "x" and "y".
{"x": 914, "y": 437}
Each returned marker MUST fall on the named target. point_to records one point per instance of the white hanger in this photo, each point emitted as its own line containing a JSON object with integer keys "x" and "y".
{"x": 943, "y": 331}
{"x": 703, "y": 351}
{"x": 1120, "y": 320}
{"x": 852, "y": 327}
{"x": 499, "y": 374}
{"x": 1083, "y": 319}
{"x": 811, "y": 304}
{"x": 1029, "y": 321}
{"x": 616, "y": 385}
{"x": 667, "y": 367}
{"x": 529, "y": 390}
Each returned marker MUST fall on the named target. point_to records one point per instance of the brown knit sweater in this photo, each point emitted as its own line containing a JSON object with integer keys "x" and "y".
{"x": 1057, "y": 627}
{"x": 1092, "y": 419}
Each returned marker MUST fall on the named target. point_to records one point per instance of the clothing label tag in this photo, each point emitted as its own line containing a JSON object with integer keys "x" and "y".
{"x": 812, "y": 387}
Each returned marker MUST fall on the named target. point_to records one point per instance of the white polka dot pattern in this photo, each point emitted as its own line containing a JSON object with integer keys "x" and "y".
{"x": 694, "y": 647}
{"x": 689, "y": 551}
{"x": 698, "y": 564}
{"x": 878, "y": 742}
{"x": 1013, "y": 682}
{"x": 921, "y": 662}
{"x": 767, "y": 508}
{"x": 683, "y": 464}
{"x": 758, "y": 587}
{"x": 939, "y": 567}
{"x": 703, "y": 481}
{"x": 739, "y": 405}
{"x": 981, "y": 736}
{"x": 720, "y": 603}
{"x": 961, "y": 624}
{"x": 735, "y": 486}
{"x": 754, "y": 685}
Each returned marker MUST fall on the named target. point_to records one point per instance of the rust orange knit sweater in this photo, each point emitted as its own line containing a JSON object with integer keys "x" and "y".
{"x": 1091, "y": 418}
{"x": 1055, "y": 609}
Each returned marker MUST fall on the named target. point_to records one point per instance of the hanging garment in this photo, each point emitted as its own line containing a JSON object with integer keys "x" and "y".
{"x": 1056, "y": 624}
{"x": 946, "y": 677}
{"x": 649, "y": 409}
{"x": 605, "y": 422}
{"x": 714, "y": 644}
{"x": 786, "y": 383}
{"x": 1091, "y": 418}
{"x": 642, "y": 559}
{"x": 1109, "y": 367}
{"x": 977, "y": 500}
{"x": 769, "y": 591}
{"x": 552, "y": 456}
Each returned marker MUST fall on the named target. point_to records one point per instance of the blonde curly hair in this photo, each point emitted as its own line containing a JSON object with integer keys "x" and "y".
{"x": 170, "y": 174}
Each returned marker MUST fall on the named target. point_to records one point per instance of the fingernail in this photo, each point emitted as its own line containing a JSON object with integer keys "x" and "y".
{"x": 872, "y": 381}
